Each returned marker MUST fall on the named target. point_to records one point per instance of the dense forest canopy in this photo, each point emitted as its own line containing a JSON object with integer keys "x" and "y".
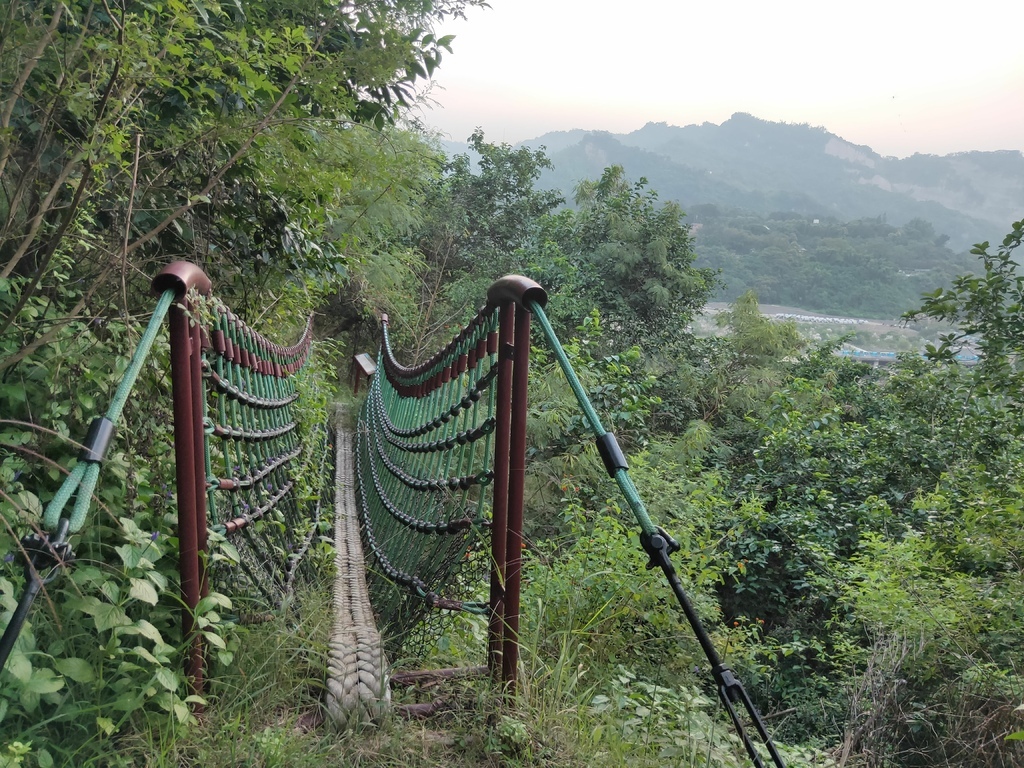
{"x": 852, "y": 536}
{"x": 867, "y": 267}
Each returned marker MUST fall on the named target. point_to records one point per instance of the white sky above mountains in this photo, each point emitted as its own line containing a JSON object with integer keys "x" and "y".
{"x": 900, "y": 76}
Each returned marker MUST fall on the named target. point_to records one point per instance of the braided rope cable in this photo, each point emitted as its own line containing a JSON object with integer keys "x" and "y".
{"x": 84, "y": 476}
{"x": 622, "y": 477}
{"x": 80, "y": 484}
{"x": 357, "y": 686}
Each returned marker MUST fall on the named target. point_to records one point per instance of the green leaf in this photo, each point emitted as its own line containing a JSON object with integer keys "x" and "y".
{"x": 19, "y": 666}
{"x": 167, "y": 678}
{"x": 111, "y": 591}
{"x": 77, "y": 669}
{"x": 44, "y": 681}
{"x": 108, "y": 616}
{"x": 142, "y": 653}
{"x": 215, "y": 640}
{"x": 210, "y": 601}
{"x": 230, "y": 552}
{"x": 30, "y": 503}
{"x": 7, "y": 599}
{"x": 148, "y": 631}
{"x": 143, "y": 590}
{"x": 29, "y": 700}
{"x": 130, "y": 556}
{"x": 158, "y": 579}
{"x": 181, "y": 711}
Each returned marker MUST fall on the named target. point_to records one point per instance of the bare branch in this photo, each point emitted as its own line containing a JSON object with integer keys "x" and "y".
{"x": 26, "y": 72}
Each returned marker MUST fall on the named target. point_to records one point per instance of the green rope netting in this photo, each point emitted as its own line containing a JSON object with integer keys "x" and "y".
{"x": 251, "y": 444}
{"x": 424, "y": 469}
{"x": 253, "y": 450}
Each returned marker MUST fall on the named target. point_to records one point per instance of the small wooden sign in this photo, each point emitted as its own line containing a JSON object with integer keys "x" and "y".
{"x": 362, "y": 365}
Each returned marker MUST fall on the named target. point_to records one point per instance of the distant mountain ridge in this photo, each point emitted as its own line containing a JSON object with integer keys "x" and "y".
{"x": 767, "y": 167}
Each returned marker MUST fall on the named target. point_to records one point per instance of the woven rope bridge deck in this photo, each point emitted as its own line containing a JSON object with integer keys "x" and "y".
{"x": 357, "y": 685}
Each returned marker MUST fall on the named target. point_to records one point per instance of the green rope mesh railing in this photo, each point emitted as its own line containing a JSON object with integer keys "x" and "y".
{"x": 659, "y": 546}
{"x": 239, "y": 389}
{"x": 251, "y": 447}
{"x": 237, "y": 451}
{"x": 423, "y": 462}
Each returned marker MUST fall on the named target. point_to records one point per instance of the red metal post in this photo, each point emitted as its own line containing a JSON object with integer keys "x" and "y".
{"x": 503, "y": 422}
{"x": 185, "y": 460}
{"x": 189, "y": 450}
{"x": 517, "y": 479}
{"x": 199, "y": 452}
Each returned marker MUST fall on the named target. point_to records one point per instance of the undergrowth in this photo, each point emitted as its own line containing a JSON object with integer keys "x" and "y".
{"x": 265, "y": 711}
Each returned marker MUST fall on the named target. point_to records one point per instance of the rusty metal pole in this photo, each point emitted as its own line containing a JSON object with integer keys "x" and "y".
{"x": 503, "y": 422}
{"x": 517, "y": 479}
{"x": 514, "y": 295}
{"x": 185, "y": 471}
{"x": 198, "y": 387}
{"x": 190, "y": 471}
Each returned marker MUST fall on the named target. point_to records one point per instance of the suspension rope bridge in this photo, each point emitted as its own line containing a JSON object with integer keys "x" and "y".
{"x": 428, "y": 489}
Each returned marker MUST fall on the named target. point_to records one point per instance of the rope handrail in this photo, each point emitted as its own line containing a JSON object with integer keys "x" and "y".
{"x": 473, "y": 394}
{"x": 437, "y": 438}
{"x": 659, "y": 546}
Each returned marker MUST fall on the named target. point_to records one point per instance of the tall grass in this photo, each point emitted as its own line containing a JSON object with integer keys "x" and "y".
{"x": 265, "y": 711}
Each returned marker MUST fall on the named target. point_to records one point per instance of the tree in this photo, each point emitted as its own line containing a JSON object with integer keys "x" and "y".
{"x": 634, "y": 259}
{"x": 149, "y": 132}
{"x": 989, "y": 312}
{"x": 477, "y": 223}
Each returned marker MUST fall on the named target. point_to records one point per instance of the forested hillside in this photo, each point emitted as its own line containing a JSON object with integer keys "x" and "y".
{"x": 853, "y": 538}
{"x": 766, "y": 167}
{"x": 867, "y": 267}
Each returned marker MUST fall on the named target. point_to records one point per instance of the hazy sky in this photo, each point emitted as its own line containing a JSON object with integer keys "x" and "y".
{"x": 900, "y": 76}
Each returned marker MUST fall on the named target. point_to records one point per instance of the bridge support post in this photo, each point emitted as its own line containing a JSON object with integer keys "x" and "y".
{"x": 185, "y": 469}
{"x": 499, "y": 523}
{"x": 512, "y": 295}
{"x": 189, "y": 402}
{"x": 516, "y": 488}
